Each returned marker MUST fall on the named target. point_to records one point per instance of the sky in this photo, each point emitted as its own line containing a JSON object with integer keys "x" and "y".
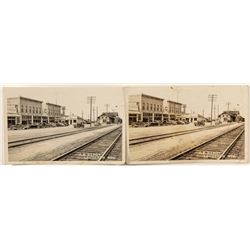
{"x": 196, "y": 97}
{"x": 74, "y": 97}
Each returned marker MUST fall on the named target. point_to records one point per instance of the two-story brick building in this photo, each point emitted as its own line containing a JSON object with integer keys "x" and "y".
{"x": 145, "y": 108}
{"x": 23, "y": 110}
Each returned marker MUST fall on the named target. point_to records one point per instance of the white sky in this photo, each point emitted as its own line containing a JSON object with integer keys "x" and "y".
{"x": 74, "y": 97}
{"x": 196, "y": 97}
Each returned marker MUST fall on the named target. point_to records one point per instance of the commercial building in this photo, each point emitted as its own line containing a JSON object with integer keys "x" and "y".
{"x": 194, "y": 117}
{"x": 145, "y": 108}
{"x": 74, "y": 119}
{"x": 23, "y": 110}
{"x": 52, "y": 112}
{"x": 173, "y": 110}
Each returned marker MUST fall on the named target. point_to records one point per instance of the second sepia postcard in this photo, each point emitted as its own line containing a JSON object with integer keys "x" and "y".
{"x": 167, "y": 124}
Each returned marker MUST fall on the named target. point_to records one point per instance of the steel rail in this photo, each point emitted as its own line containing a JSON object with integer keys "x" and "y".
{"x": 22, "y": 142}
{"x": 175, "y": 157}
{"x": 57, "y": 158}
{"x": 104, "y": 156}
{"x": 151, "y": 138}
{"x": 228, "y": 149}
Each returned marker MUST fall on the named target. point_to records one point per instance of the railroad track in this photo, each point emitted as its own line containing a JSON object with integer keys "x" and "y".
{"x": 217, "y": 148}
{"x": 102, "y": 148}
{"x": 22, "y": 142}
{"x": 151, "y": 138}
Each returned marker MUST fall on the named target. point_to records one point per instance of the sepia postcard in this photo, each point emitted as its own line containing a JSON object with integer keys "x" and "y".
{"x": 118, "y": 124}
{"x": 186, "y": 124}
{"x": 71, "y": 124}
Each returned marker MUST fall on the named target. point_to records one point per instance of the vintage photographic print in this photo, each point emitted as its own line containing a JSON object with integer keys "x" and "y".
{"x": 187, "y": 123}
{"x": 64, "y": 124}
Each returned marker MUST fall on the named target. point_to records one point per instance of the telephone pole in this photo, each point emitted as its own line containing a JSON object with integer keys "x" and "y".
{"x": 212, "y": 98}
{"x": 228, "y": 104}
{"x": 214, "y": 112}
{"x": 90, "y": 101}
{"x": 107, "y": 107}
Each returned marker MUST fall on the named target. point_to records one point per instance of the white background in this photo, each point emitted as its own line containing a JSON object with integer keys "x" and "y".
{"x": 125, "y": 207}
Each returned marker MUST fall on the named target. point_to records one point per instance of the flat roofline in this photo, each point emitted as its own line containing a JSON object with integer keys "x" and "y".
{"x": 25, "y": 98}
{"x": 174, "y": 102}
{"x": 53, "y": 104}
{"x": 153, "y": 97}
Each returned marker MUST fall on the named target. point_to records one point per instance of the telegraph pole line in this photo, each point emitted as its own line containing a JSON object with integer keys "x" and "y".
{"x": 212, "y": 99}
{"x": 228, "y": 104}
{"x": 107, "y": 107}
{"x": 214, "y": 112}
{"x": 91, "y": 100}
{"x": 94, "y": 113}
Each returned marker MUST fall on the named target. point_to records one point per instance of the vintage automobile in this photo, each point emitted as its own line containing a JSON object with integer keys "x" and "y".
{"x": 180, "y": 122}
{"x": 199, "y": 123}
{"x": 19, "y": 126}
{"x": 79, "y": 125}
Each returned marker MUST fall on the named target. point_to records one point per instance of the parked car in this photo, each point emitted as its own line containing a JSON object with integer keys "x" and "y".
{"x": 139, "y": 124}
{"x": 60, "y": 124}
{"x": 153, "y": 124}
{"x": 172, "y": 122}
{"x": 199, "y": 123}
{"x": 19, "y": 126}
{"x": 52, "y": 124}
{"x": 79, "y": 125}
{"x": 180, "y": 122}
{"x": 35, "y": 125}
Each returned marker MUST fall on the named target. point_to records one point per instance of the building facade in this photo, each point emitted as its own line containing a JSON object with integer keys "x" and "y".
{"x": 145, "y": 108}
{"x": 230, "y": 116}
{"x": 23, "y": 110}
{"x": 173, "y": 110}
{"x": 109, "y": 118}
{"x": 52, "y": 112}
{"x": 27, "y": 111}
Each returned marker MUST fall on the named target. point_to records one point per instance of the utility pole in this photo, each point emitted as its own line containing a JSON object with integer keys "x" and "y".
{"x": 94, "y": 113}
{"x": 212, "y": 99}
{"x": 214, "y": 112}
{"x": 90, "y": 101}
{"x": 107, "y": 107}
{"x": 228, "y": 104}
{"x": 218, "y": 110}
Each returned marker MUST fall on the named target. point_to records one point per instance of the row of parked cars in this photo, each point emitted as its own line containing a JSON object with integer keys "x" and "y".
{"x": 158, "y": 123}
{"x": 37, "y": 125}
